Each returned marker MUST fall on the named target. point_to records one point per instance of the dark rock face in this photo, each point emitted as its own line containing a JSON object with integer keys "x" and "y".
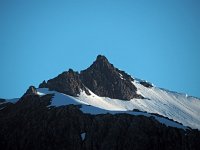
{"x": 2, "y": 100}
{"x": 104, "y": 79}
{"x": 43, "y": 84}
{"x": 146, "y": 84}
{"x": 30, "y": 124}
{"x": 67, "y": 82}
{"x": 31, "y": 91}
{"x": 4, "y": 103}
{"x": 101, "y": 77}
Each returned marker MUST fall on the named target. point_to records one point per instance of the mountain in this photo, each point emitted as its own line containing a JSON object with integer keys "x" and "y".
{"x": 104, "y": 86}
{"x": 100, "y": 108}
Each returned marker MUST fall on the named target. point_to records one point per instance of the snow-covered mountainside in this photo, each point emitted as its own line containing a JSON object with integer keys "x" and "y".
{"x": 105, "y": 87}
{"x": 175, "y": 106}
{"x": 100, "y": 107}
{"x": 94, "y": 104}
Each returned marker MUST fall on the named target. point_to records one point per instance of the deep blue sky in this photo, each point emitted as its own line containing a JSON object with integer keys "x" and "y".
{"x": 155, "y": 40}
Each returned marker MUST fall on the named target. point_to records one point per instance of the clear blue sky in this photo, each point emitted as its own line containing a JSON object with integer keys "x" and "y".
{"x": 155, "y": 40}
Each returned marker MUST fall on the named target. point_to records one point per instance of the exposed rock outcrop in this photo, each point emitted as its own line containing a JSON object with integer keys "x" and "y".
{"x": 146, "y": 84}
{"x": 67, "y": 82}
{"x": 43, "y": 84}
{"x": 104, "y": 79}
{"x": 31, "y": 91}
{"x": 2, "y": 100}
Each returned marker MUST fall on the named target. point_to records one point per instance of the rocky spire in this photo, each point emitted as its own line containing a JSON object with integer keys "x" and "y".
{"x": 105, "y": 80}
{"x": 31, "y": 91}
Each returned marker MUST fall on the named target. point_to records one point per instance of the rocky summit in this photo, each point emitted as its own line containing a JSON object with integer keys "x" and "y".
{"x": 31, "y": 91}
{"x": 102, "y": 78}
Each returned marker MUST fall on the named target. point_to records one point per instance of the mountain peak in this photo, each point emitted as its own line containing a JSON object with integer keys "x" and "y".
{"x": 101, "y": 61}
{"x": 101, "y": 58}
{"x": 31, "y": 91}
{"x": 105, "y": 80}
{"x": 102, "y": 78}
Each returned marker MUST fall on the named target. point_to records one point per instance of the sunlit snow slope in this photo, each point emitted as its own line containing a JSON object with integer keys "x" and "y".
{"x": 176, "y": 106}
{"x": 179, "y": 107}
{"x": 60, "y": 99}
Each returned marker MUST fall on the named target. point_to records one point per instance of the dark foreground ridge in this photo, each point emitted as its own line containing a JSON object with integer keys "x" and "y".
{"x": 31, "y": 124}
{"x": 101, "y": 77}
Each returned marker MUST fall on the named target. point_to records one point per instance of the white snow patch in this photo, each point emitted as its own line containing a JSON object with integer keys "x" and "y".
{"x": 60, "y": 99}
{"x": 83, "y": 136}
{"x": 121, "y": 76}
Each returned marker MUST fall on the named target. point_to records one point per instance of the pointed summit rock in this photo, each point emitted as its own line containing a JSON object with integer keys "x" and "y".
{"x": 102, "y": 63}
{"x": 43, "y": 84}
{"x": 31, "y": 91}
{"x": 101, "y": 59}
{"x": 104, "y": 79}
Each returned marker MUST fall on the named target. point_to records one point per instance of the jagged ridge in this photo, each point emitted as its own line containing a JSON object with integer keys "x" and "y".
{"x": 101, "y": 77}
{"x": 67, "y": 82}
